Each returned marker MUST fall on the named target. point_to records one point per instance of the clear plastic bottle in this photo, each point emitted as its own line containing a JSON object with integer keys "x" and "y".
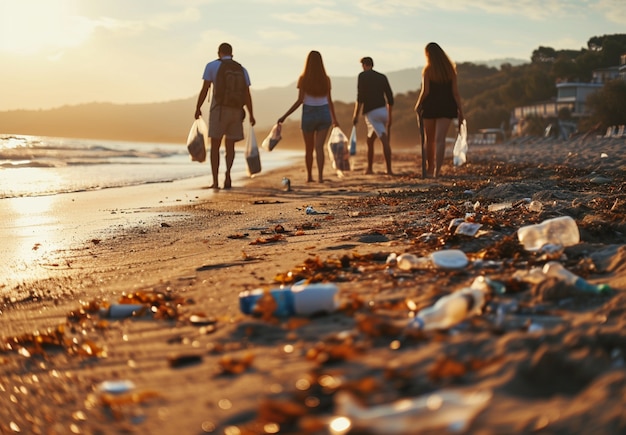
{"x": 558, "y": 231}
{"x": 556, "y": 269}
{"x": 444, "y": 411}
{"x": 301, "y": 299}
{"x": 451, "y": 309}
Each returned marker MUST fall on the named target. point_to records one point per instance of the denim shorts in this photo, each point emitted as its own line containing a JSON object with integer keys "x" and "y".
{"x": 315, "y": 118}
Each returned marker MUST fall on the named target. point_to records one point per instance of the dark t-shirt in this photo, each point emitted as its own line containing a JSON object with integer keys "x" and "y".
{"x": 440, "y": 102}
{"x": 373, "y": 90}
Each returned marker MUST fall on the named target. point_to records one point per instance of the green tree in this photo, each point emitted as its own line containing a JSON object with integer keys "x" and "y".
{"x": 608, "y": 105}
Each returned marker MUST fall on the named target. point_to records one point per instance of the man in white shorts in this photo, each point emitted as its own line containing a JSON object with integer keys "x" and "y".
{"x": 375, "y": 98}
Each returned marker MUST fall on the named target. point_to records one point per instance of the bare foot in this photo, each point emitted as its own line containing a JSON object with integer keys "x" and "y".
{"x": 368, "y": 172}
{"x": 227, "y": 183}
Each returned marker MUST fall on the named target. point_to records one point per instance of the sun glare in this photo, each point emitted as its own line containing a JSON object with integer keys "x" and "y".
{"x": 32, "y": 26}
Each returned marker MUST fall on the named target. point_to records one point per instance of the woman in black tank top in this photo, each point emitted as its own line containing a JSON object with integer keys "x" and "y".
{"x": 438, "y": 103}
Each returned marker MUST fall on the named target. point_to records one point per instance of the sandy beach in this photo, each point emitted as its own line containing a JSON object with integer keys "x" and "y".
{"x": 543, "y": 357}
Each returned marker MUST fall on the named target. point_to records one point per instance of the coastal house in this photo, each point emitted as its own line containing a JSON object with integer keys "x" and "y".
{"x": 571, "y": 96}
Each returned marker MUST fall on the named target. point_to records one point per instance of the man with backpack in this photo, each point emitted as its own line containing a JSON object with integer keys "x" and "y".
{"x": 226, "y": 114}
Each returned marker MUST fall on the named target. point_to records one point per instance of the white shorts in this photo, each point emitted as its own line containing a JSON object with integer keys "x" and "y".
{"x": 376, "y": 121}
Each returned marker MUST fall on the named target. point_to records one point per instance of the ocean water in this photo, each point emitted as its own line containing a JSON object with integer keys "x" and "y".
{"x": 57, "y": 194}
{"x": 38, "y": 165}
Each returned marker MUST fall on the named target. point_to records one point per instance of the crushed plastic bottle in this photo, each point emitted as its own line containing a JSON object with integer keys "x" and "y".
{"x": 451, "y": 309}
{"x": 301, "y": 299}
{"x": 447, "y": 410}
{"x": 558, "y": 231}
{"x": 556, "y": 269}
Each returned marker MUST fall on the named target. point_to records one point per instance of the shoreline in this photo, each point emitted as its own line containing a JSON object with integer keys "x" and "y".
{"x": 235, "y": 370}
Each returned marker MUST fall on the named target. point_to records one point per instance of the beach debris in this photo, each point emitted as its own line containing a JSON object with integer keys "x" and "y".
{"x": 556, "y": 269}
{"x": 449, "y": 259}
{"x": 235, "y": 365}
{"x": 453, "y": 308}
{"x": 286, "y": 182}
{"x": 447, "y": 409}
{"x": 202, "y": 319}
{"x": 499, "y": 206}
{"x": 310, "y": 210}
{"x": 408, "y": 261}
{"x": 238, "y": 236}
{"x": 301, "y": 299}
{"x": 558, "y": 231}
{"x": 184, "y": 360}
{"x": 122, "y": 311}
{"x": 265, "y": 240}
{"x": 535, "y": 206}
{"x": 116, "y": 387}
{"x": 599, "y": 179}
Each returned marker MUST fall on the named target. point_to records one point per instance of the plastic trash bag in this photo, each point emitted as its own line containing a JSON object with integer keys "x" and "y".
{"x": 459, "y": 152}
{"x": 253, "y": 159}
{"x": 272, "y": 138}
{"x": 338, "y": 150}
{"x": 353, "y": 141}
{"x": 197, "y": 140}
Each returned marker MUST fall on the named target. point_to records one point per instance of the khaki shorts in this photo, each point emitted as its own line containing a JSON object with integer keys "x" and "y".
{"x": 226, "y": 122}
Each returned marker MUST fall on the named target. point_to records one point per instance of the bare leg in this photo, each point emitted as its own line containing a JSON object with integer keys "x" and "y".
{"x": 370, "y": 153}
{"x": 309, "y": 145}
{"x": 320, "y": 138}
{"x": 230, "y": 158}
{"x": 442, "y": 129}
{"x": 429, "y": 133}
{"x": 215, "y": 160}
{"x": 387, "y": 152}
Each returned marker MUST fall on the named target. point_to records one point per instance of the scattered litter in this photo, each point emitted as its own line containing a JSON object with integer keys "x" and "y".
{"x": 311, "y": 210}
{"x": 451, "y": 410}
{"x": 116, "y": 387}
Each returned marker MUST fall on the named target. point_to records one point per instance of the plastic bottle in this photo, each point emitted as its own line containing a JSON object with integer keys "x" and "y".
{"x": 556, "y": 269}
{"x": 446, "y": 411}
{"x": 301, "y": 299}
{"x": 451, "y": 309}
{"x": 558, "y": 231}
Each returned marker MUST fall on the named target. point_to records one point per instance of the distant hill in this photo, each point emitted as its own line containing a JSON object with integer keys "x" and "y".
{"x": 169, "y": 121}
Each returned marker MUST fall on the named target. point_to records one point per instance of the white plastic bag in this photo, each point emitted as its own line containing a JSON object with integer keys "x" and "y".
{"x": 197, "y": 140}
{"x": 253, "y": 159}
{"x": 272, "y": 138}
{"x": 338, "y": 151}
{"x": 460, "y": 146}
{"x": 353, "y": 141}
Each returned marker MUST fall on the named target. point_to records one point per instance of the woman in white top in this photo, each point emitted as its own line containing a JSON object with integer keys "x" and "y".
{"x": 318, "y": 111}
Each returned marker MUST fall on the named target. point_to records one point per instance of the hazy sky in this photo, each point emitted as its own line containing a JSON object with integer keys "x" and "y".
{"x": 56, "y": 52}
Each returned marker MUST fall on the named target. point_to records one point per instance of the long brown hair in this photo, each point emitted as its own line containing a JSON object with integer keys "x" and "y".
{"x": 439, "y": 67}
{"x": 314, "y": 80}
